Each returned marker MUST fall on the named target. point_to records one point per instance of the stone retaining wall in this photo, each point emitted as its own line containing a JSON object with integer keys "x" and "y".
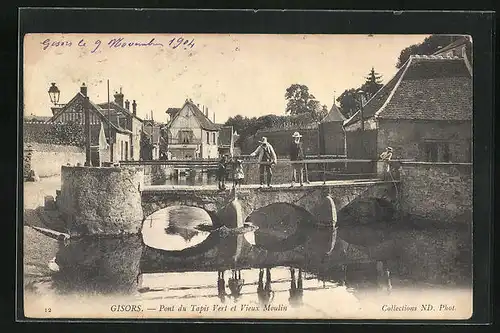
{"x": 104, "y": 201}
{"x": 437, "y": 191}
{"x": 46, "y": 159}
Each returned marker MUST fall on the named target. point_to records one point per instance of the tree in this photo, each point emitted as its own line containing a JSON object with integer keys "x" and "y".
{"x": 300, "y": 100}
{"x": 430, "y": 45}
{"x": 372, "y": 84}
{"x": 348, "y": 102}
{"x": 322, "y": 113}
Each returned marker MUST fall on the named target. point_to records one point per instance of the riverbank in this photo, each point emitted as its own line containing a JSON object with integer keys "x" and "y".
{"x": 38, "y": 249}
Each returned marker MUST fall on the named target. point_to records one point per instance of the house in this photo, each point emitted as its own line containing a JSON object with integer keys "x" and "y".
{"x": 151, "y": 131}
{"x": 424, "y": 113}
{"x": 120, "y": 114}
{"x": 119, "y": 125}
{"x": 331, "y": 133}
{"x": 226, "y": 141}
{"x": 190, "y": 133}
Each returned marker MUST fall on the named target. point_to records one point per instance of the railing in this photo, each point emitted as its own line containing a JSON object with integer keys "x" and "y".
{"x": 317, "y": 169}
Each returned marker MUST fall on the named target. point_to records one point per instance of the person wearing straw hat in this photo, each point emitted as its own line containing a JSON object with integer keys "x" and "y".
{"x": 267, "y": 158}
{"x": 386, "y": 157}
{"x": 297, "y": 154}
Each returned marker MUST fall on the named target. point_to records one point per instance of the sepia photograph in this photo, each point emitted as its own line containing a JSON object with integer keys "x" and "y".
{"x": 247, "y": 176}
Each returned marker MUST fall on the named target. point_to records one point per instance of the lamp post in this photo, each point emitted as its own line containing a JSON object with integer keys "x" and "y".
{"x": 54, "y": 94}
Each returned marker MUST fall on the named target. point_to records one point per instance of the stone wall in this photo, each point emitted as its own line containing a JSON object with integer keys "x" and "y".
{"x": 437, "y": 191}
{"x": 104, "y": 201}
{"x": 332, "y": 138}
{"x": 406, "y": 136}
{"x": 46, "y": 159}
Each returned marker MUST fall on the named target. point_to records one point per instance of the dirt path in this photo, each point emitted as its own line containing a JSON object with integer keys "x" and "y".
{"x": 37, "y": 249}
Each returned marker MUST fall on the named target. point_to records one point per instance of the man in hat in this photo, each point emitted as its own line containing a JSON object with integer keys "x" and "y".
{"x": 297, "y": 155}
{"x": 386, "y": 157}
{"x": 267, "y": 158}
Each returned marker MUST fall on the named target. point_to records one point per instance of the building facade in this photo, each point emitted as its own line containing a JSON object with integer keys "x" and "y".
{"x": 122, "y": 115}
{"x": 226, "y": 141}
{"x": 191, "y": 134}
{"x": 118, "y": 129}
{"x": 152, "y": 134}
{"x": 424, "y": 113}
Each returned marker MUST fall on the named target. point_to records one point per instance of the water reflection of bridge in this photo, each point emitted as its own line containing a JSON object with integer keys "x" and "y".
{"x": 111, "y": 264}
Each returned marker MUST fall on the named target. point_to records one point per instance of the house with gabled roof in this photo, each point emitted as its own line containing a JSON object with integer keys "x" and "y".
{"x": 424, "y": 113}
{"x": 120, "y": 126}
{"x": 190, "y": 132}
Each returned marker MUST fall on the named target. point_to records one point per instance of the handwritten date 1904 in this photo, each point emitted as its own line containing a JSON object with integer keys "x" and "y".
{"x": 176, "y": 42}
{"x": 117, "y": 43}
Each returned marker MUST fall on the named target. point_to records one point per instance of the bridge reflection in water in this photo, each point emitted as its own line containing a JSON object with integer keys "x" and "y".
{"x": 276, "y": 259}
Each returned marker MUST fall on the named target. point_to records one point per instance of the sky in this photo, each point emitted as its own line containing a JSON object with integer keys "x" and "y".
{"x": 229, "y": 74}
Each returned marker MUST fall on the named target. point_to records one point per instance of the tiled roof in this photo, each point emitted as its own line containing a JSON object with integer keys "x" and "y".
{"x": 458, "y": 42}
{"x": 333, "y": 115}
{"x": 117, "y": 108}
{"x": 95, "y": 108}
{"x": 425, "y": 88}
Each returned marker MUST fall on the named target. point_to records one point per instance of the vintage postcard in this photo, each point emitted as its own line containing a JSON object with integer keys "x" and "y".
{"x": 247, "y": 176}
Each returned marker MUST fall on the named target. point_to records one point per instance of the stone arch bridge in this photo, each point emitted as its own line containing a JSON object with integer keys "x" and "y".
{"x": 231, "y": 208}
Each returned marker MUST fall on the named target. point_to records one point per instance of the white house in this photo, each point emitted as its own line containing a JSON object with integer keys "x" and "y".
{"x": 190, "y": 133}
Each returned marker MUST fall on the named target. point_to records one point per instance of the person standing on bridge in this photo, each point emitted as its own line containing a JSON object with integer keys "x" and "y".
{"x": 386, "y": 157}
{"x": 267, "y": 158}
{"x": 222, "y": 172}
{"x": 297, "y": 155}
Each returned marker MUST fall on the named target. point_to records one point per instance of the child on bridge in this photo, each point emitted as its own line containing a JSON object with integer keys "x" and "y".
{"x": 238, "y": 173}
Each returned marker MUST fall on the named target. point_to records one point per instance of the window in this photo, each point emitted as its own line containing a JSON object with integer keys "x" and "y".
{"x": 126, "y": 151}
{"x": 185, "y": 136}
{"x": 213, "y": 138}
{"x": 121, "y": 150}
{"x": 208, "y": 138}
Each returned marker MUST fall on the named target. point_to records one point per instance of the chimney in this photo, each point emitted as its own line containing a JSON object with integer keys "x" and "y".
{"x": 206, "y": 112}
{"x": 214, "y": 117}
{"x": 127, "y": 104}
{"x": 119, "y": 98}
{"x": 83, "y": 89}
{"x": 134, "y": 107}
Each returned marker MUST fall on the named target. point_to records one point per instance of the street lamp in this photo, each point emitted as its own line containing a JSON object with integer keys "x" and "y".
{"x": 54, "y": 93}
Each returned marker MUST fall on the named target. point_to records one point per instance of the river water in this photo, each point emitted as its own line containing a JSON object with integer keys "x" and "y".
{"x": 276, "y": 267}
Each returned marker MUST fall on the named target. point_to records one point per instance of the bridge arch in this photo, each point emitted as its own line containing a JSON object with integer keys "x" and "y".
{"x": 321, "y": 201}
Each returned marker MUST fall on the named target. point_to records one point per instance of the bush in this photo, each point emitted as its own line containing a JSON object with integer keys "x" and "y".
{"x": 70, "y": 133}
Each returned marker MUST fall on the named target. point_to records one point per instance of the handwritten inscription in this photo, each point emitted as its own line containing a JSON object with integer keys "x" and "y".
{"x": 117, "y": 43}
